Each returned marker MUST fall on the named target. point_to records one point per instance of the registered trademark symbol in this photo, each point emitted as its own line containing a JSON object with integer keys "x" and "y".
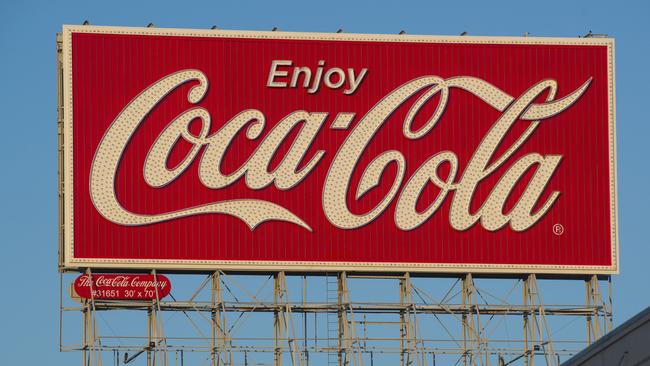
{"x": 558, "y": 229}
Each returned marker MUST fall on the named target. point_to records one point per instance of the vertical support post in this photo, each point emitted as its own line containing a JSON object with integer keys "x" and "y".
{"x": 588, "y": 297}
{"x": 470, "y": 331}
{"x": 402, "y": 321}
{"x": 532, "y": 314}
{"x": 341, "y": 331}
{"x": 598, "y": 302}
{"x": 84, "y": 341}
{"x": 533, "y": 323}
{"x": 526, "y": 350}
{"x": 540, "y": 322}
{"x": 160, "y": 339}
{"x": 610, "y": 311}
{"x": 218, "y": 334}
{"x": 277, "y": 327}
{"x": 284, "y": 327}
{"x": 150, "y": 322}
{"x": 60, "y": 147}
{"x": 350, "y": 349}
{"x": 599, "y": 308}
{"x": 304, "y": 321}
{"x": 410, "y": 329}
{"x": 464, "y": 317}
{"x": 90, "y": 330}
{"x": 213, "y": 325}
{"x": 60, "y": 312}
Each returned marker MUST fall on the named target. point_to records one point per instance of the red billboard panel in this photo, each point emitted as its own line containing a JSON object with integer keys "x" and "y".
{"x": 201, "y": 149}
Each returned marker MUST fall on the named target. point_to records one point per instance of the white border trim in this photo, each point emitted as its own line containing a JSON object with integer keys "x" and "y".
{"x": 72, "y": 263}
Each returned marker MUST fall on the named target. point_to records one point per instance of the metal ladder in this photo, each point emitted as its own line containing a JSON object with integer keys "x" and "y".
{"x": 332, "y": 294}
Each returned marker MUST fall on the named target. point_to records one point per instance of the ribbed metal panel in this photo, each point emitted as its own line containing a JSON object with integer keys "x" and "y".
{"x": 110, "y": 67}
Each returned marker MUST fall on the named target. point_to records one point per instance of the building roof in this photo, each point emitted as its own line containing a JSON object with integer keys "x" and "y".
{"x": 610, "y": 338}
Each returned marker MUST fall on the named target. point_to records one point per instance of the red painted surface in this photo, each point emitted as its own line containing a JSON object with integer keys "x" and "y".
{"x": 109, "y": 70}
{"x": 122, "y": 286}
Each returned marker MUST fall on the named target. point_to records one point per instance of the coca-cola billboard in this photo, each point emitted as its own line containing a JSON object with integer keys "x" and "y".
{"x": 204, "y": 149}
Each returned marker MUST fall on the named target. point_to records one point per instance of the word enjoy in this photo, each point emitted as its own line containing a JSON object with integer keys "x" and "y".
{"x": 333, "y": 78}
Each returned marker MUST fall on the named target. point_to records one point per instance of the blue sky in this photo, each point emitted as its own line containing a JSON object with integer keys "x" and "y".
{"x": 29, "y": 292}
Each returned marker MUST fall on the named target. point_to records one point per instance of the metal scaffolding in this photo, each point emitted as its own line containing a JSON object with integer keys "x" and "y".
{"x": 317, "y": 319}
{"x": 337, "y": 318}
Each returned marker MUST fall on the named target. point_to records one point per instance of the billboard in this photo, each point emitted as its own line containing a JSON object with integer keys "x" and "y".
{"x": 207, "y": 149}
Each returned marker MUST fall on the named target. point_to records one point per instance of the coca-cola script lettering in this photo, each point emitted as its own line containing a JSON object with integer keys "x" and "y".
{"x": 335, "y": 188}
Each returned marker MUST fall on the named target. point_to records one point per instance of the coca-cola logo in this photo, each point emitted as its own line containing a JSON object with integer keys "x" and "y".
{"x": 208, "y": 150}
{"x": 118, "y": 286}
